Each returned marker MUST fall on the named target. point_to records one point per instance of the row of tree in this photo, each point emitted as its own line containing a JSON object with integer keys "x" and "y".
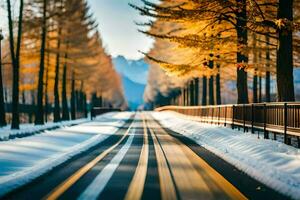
{"x": 57, "y": 59}
{"x": 222, "y": 42}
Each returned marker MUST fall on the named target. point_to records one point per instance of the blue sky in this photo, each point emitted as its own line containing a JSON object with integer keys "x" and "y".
{"x": 116, "y": 25}
{"x": 119, "y": 32}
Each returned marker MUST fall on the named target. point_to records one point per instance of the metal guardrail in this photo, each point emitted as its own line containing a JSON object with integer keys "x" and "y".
{"x": 281, "y": 118}
{"x": 95, "y": 111}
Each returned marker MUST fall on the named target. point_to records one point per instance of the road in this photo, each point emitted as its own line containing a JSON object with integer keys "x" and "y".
{"x": 143, "y": 160}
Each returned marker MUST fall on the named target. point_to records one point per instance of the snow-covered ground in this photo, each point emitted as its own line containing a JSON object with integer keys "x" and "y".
{"x": 23, "y": 159}
{"x": 30, "y": 129}
{"x": 270, "y": 162}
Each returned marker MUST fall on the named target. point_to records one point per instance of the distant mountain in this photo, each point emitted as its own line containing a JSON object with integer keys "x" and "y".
{"x": 135, "y": 70}
{"x": 134, "y": 75}
{"x": 133, "y": 92}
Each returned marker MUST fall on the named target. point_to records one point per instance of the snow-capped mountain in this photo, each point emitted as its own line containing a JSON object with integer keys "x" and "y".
{"x": 135, "y": 70}
{"x": 134, "y": 92}
{"x": 134, "y": 78}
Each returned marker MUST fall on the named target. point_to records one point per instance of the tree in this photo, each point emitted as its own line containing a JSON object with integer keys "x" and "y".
{"x": 2, "y": 108}
{"x": 268, "y": 73}
{"x": 285, "y": 78}
{"x": 226, "y": 24}
{"x": 39, "y": 119}
{"x": 65, "y": 107}
{"x": 15, "y": 57}
{"x": 63, "y": 33}
{"x": 226, "y": 15}
{"x": 56, "y": 112}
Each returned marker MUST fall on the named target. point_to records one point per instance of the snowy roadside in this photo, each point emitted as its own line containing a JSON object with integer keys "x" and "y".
{"x": 270, "y": 162}
{"x": 30, "y": 129}
{"x": 25, "y": 159}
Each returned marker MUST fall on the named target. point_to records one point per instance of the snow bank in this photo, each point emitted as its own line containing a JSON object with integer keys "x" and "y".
{"x": 30, "y": 129}
{"x": 24, "y": 159}
{"x": 270, "y": 162}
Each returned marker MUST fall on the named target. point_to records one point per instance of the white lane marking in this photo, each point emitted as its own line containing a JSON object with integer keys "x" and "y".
{"x": 136, "y": 187}
{"x": 99, "y": 183}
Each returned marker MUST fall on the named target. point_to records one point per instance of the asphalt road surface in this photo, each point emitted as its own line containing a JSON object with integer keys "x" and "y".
{"x": 143, "y": 160}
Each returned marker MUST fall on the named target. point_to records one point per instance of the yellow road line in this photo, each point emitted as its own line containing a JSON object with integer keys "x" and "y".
{"x": 60, "y": 189}
{"x": 137, "y": 184}
{"x": 189, "y": 182}
{"x": 222, "y": 183}
{"x": 167, "y": 187}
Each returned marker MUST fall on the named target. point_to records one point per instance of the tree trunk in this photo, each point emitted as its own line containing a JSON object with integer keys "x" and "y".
{"x": 2, "y": 103}
{"x": 185, "y": 97}
{"x": 242, "y": 86}
{"x": 101, "y": 101}
{"x": 39, "y": 119}
{"x": 5, "y": 95}
{"x": 15, "y": 56}
{"x": 255, "y": 87}
{"x": 242, "y": 58}
{"x": 56, "y": 82}
{"x": 65, "y": 109}
{"x": 46, "y": 87}
{"x": 285, "y": 78}
{"x": 196, "y": 91}
{"x": 188, "y": 95}
{"x": 211, "y": 85}
{"x": 260, "y": 89}
{"x": 218, "y": 86}
{"x": 78, "y": 100}
{"x": 46, "y": 106}
{"x": 73, "y": 97}
{"x": 268, "y": 86}
{"x": 33, "y": 105}
{"x": 204, "y": 91}
{"x": 23, "y": 97}
{"x": 192, "y": 97}
{"x": 85, "y": 106}
{"x": 94, "y": 100}
{"x": 260, "y": 60}
{"x": 211, "y": 91}
{"x": 268, "y": 74}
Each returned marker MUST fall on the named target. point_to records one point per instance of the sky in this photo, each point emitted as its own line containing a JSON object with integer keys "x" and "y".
{"x": 118, "y": 29}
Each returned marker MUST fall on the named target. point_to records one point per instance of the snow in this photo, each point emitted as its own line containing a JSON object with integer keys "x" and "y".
{"x": 30, "y": 129}
{"x": 24, "y": 159}
{"x": 270, "y": 162}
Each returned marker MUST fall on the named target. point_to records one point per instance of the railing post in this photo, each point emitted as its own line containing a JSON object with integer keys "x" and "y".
{"x": 244, "y": 120}
{"x": 285, "y": 122}
{"x": 266, "y": 135}
{"x": 200, "y": 114}
{"x": 219, "y": 110}
{"x": 225, "y": 115}
{"x": 212, "y": 114}
{"x": 92, "y": 113}
{"x": 232, "y": 125}
{"x": 252, "y": 118}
